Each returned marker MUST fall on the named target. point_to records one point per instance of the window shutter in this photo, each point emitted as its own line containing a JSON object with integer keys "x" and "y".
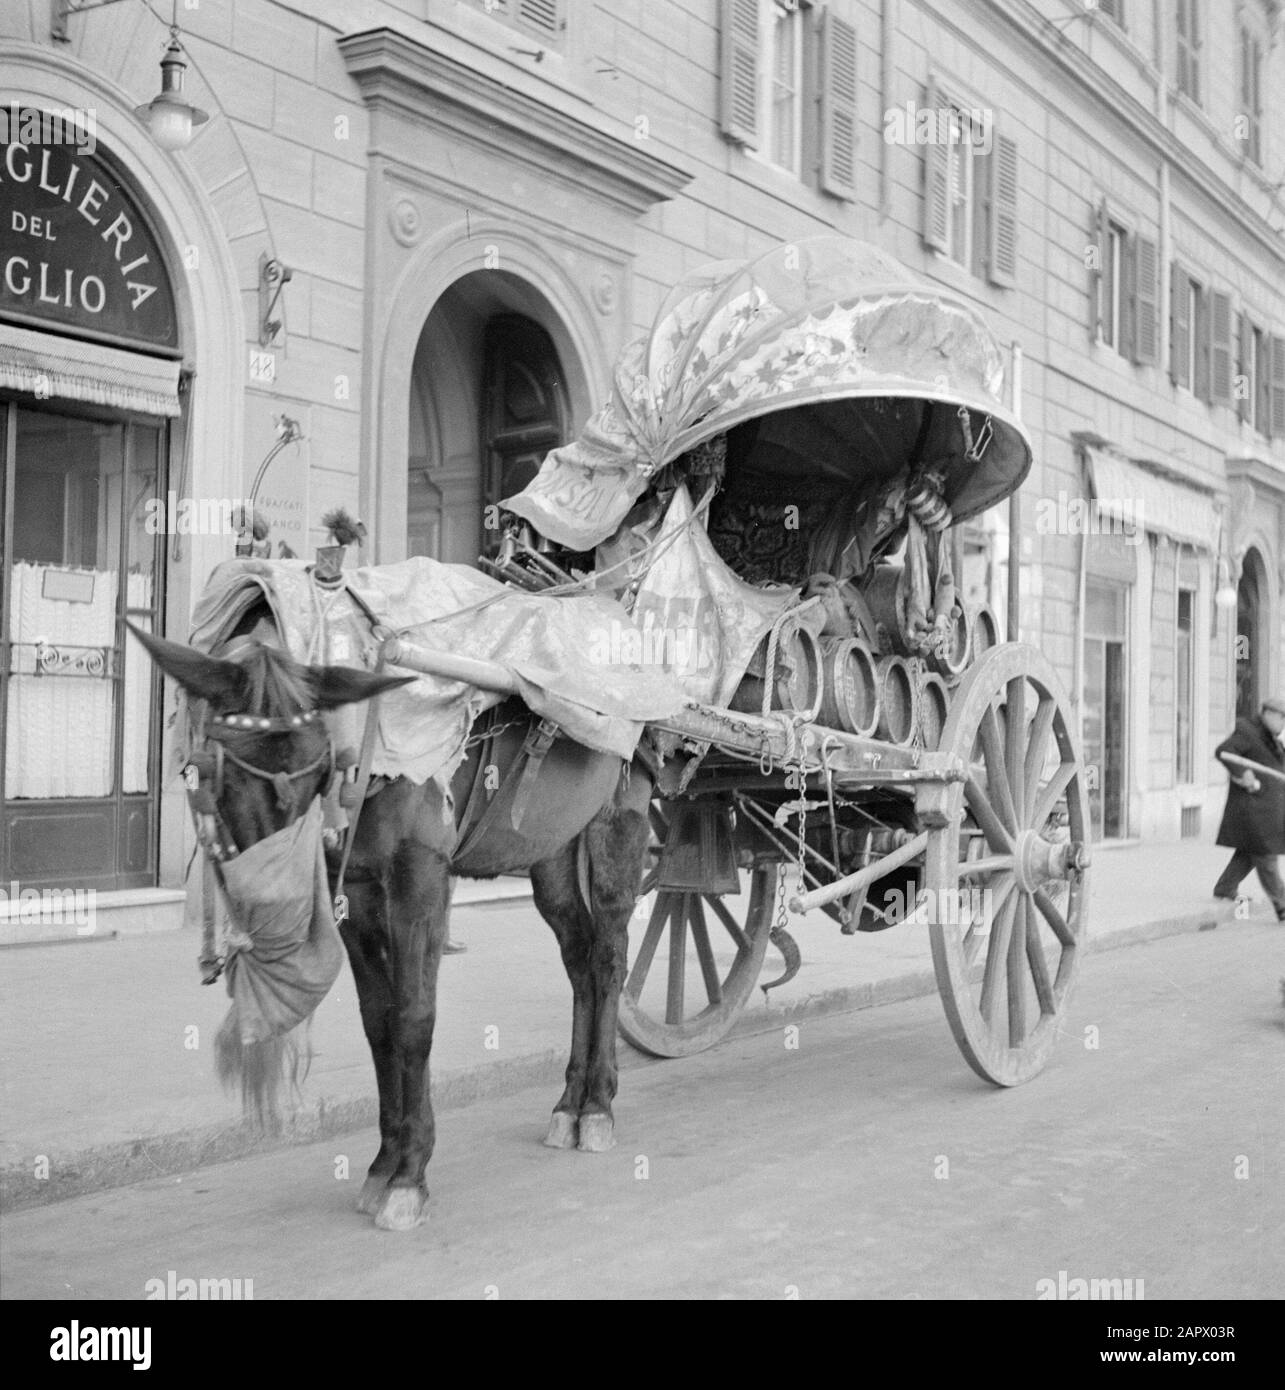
{"x": 1200, "y": 330}
{"x": 838, "y": 106}
{"x": 936, "y": 177}
{"x": 1278, "y": 387}
{"x": 1193, "y": 57}
{"x": 1245, "y": 369}
{"x": 1128, "y": 300}
{"x": 1003, "y": 211}
{"x": 1097, "y": 276}
{"x": 1220, "y": 367}
{"x": 739, "y": 73}
{"x": 1183, "y": 27}
{"x": 1146, "y": 300}
{"x": 544, "y": 16}
{"x": 1179, "y": 327}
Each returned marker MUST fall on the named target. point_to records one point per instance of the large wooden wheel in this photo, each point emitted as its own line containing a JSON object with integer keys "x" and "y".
{"x": 1006, "y": 864}
{"x": 694, "y": 958}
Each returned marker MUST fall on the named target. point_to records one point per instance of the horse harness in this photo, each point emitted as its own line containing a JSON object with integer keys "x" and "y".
{"x": 203, "y": 775}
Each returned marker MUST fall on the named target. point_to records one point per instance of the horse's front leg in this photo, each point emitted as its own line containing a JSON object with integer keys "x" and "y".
{"x": 418, "y": 905}
{"x": 615, "y": 841}
{"x": 553, "y": 884}
{"x": 365, "y": 937}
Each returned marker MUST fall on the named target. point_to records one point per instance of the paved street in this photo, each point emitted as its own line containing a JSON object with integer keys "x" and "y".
{"x": 866, "y": 1162}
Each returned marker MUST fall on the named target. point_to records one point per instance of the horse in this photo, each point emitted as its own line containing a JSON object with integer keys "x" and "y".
{"x": 584, "y": 853}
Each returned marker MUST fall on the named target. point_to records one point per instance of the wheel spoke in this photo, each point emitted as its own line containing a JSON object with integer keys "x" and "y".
{"x": 975, "y": 935}
{"x": 993, "y": 864}
{"x": 1039, "y": 967}
{"x": 1015, "y": 725}
{"x": 1049, "y": 911}
{"x": 992, "y": 827}
{"x": 1051, "y": 793}
{"x": 1035, "y": 748}
{"x": 997, "y": 950}
{"x": 997, "y": 788}
{"x": 734, "y": 929}
{"x": 700, "y": 935}
{"x": 1016, "y": 973}
{"x": 651, "y": 938}
{"x": 677, "y": 960}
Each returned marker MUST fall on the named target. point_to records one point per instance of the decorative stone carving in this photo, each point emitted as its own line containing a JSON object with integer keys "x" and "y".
{"x": 405, "y": 221}
{"x": 604, "y": 292}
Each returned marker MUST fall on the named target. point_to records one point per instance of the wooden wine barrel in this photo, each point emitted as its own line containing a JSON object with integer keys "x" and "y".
{"x": 798, "y": 676}
{"x": 850, "y": 686}
{"x": 934, "y": 702}
{"x": 985, "y": 631}
{"x": 885, "y": 595}
{"x": 898, "y": 700}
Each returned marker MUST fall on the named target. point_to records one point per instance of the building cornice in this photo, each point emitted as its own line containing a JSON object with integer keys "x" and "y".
{"x": 409, "y": 79}
{"x": 1252, "y": 468}
{"x": 1043, "y": 36}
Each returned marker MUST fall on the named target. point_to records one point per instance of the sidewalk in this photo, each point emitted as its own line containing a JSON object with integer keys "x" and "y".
{"x": 105, "y": 1043}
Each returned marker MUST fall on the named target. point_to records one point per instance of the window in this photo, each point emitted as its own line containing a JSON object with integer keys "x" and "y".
{"x": 1184, "y": 694}
{"x": 783, "y": 108}
{"x": 1113, "y": 290}
{"x": 1188, "y": 35}
{"x": 1124, "y": 291}
{"x": 1189, "y": 333}
{"x": 545, "y": 20}
{"x": 962, "y": 143}
{"x": 788, "y": 80}
{"x": 970, "y": 187}
{"x": 1249, "y": 124}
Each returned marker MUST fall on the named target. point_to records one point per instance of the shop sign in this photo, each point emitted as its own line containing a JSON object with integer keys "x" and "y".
{"x": 76, "y": 252}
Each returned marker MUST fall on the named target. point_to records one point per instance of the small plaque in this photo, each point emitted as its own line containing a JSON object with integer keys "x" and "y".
{"x": 70, "y": 586}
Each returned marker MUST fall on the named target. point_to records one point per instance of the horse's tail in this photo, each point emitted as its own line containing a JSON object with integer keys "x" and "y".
{"x": 263, "y": 1071}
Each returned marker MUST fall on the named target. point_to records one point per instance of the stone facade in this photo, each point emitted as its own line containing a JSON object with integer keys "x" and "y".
{"x": 569, "y": 160}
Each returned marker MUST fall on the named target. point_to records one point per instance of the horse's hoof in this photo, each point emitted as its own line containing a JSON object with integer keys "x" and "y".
{"x": 402, "y": 1209}
{"x": 562, "y": 1131}
{"x": 371, "y": 1191}
{"x": 596, "y": 1135}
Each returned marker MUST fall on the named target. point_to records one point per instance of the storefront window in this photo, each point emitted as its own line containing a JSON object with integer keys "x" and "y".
{"x": 79, "y": 704}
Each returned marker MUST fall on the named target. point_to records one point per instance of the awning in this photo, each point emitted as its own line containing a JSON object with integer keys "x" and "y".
{"x": 1137, "y": 497}
{"x": 67, "y": 369}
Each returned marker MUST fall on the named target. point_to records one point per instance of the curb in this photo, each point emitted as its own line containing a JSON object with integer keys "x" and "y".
{"x": 98, "y": 1167}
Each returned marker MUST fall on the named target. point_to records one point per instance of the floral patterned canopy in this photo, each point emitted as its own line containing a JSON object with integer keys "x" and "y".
{"x": 809, "y": 323}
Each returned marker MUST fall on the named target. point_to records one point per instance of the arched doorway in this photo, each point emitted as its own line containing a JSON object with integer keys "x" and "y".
{"x": 488, "y": 400}
{"x": 1250, "y": 628}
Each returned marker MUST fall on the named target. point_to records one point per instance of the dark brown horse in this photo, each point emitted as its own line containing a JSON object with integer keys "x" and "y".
{"x": 583, "y": 846}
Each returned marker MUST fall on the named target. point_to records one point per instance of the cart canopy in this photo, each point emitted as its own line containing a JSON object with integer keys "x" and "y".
{"x": 835, "y": 340}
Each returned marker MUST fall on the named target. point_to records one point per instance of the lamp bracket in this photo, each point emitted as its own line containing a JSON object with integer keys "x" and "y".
{"x": 273, "y": 276}
{"x": 60, "y": 11}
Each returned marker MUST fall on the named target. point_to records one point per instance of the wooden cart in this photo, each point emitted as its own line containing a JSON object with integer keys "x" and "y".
{"x": 950, "y": 793}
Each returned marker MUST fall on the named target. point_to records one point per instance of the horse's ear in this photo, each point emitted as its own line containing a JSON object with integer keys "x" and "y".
{"x": 345, "y": 685}
{"x": 221, "y": 683}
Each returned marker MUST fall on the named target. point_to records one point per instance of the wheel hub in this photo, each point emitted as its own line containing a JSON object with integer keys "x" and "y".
{"x": 1036, "y": 860}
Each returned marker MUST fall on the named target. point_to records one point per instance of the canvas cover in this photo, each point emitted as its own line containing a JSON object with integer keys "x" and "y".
{"x": 811, "y": 323}
{"x": 549, "y": 642}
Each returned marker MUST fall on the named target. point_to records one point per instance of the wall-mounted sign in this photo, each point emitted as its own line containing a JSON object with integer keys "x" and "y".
{"x": 76, "y": 251}
{"x": 71, "y": 586}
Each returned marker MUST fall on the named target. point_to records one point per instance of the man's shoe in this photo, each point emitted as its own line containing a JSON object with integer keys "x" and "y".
{"x": 454, "y": 948}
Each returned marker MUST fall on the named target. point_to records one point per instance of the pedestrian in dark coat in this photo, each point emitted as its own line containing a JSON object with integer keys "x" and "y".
{"x": 1254, "y": 822}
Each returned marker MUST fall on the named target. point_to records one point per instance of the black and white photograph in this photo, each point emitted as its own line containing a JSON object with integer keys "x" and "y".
{"x": 641, "y": 658}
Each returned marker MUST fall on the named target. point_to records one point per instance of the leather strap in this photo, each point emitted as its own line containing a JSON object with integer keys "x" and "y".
{"x": 537, "y": 744}
{"x": 364, "y": 760}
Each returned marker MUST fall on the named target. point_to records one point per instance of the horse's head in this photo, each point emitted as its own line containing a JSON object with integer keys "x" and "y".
{"x": 265, "y": 751}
